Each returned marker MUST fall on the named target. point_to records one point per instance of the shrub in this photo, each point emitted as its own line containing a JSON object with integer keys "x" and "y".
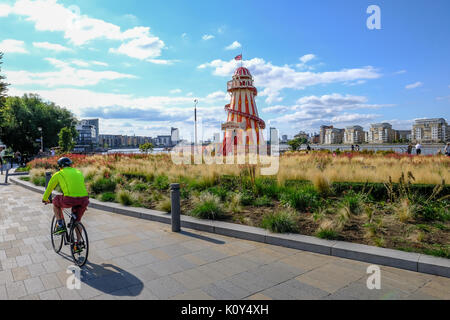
{"x": 279, "y": 222}
{"x": 103, "y": 185}
{"x": 165, "y": 205}
{"x": 322, "y": 185}
{"x": 247, "y": 198}
{"x": 234, "y": 204}
{"x": 219, "y": 191}
{"x": 208, "y": 206}
{"x": 263, "y": 201}
{"x": 125, "y": 198}
{"x": 432, "y": 210}
{"x": 353, "y": 202}
{"x": 405, "y": 210}
{"x": 140, "y": 187}
{"x": 38, "y": 181}
{"x": 266, "y": 187}
{"x": 302, "y": 199}
{"x": 108, "y": 197}
{"x": 161, "y": 182}
{"x": 23, "y": 169}
{"x": 327, "y": 233}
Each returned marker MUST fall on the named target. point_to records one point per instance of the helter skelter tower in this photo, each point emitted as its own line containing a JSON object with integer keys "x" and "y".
{"x": 243, "y": 120}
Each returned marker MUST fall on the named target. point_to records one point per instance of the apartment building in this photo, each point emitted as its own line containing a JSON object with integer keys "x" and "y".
{"x": 354, "y": 135}
{"x": 322, "y": 133}
{"x": 402, "y": 135}
{"x": 430, "y": 131}
{"x": 87, "y": 139}
{"x": 333, "y": 136}
{"x": 381, "y": 133}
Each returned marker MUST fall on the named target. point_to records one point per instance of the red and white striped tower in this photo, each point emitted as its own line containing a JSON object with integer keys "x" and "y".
{"x": 242, "y": 113}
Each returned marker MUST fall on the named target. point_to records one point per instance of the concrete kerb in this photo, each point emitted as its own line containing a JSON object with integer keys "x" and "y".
{"x": 382, "y": 256}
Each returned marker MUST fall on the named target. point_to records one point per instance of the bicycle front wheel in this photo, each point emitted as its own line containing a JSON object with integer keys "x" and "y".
{"x": 57, "y": 240}
{"x": 79, "y": 244}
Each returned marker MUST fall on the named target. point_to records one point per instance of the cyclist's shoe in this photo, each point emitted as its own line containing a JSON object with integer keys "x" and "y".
{"x": 78, "y": 247}
{"x": 60, "y": 230}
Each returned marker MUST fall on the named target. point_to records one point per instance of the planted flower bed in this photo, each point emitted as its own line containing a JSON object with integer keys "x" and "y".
{"x": 391, "y": 201}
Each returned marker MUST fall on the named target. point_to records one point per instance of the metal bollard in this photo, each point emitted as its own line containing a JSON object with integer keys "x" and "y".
{"x": 6, "y": 177}
{"x": 48, "y": 176}
{"x": 175, "y": 211}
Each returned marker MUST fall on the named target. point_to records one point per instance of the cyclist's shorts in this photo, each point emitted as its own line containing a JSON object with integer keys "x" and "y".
{"x": 78, "y": 205}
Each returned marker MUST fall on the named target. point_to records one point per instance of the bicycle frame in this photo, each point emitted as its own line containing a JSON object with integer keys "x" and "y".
{"x": 72, "y": 221}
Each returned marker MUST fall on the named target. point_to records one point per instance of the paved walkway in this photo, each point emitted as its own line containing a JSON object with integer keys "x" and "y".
{"x": 137, "y": 259}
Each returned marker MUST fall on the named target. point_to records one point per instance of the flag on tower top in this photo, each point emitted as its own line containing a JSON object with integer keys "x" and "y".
{"x": 239, "y": 57}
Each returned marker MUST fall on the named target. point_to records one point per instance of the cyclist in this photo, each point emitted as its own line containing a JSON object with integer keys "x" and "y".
{"x": 75, "y": 196}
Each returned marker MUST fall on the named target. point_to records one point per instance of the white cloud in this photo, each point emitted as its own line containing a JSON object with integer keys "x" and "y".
{"x": 12, "y": 46}
{"x": 233, "y": 46}
{"x": 162, "y": 61}
{"x": 218, "y": 96}
{"x": 312, "y": 111}
{"x": 414, "y": 85}
{"x": 51, "y": 46}
{"x": 142, "y": 48}
{"x": 66, "y": 75}
{"x": 276, "y": 109}
{"x": 400, "y": 72}
{"x": 5, "y": 10}
{"x": 174, "y": 91}
{"x": 80, "y": 63}
{"x": 207, "y": 37}
{"x": 273, "y": 79}
{"x": 48, "y": 15}
{"x": 445, "y": 98}
{"x": 307, "y": 57}
{"x": 112, "y": 106}
{"x": 304, "y": 61}
{"x": 99, "y": 63}
{"x": 184, "y": 35}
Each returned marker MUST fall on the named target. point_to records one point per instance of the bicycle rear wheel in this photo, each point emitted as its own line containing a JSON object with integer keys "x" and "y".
{"x": 80, "y": 258}
{"x": 57, "y": 240}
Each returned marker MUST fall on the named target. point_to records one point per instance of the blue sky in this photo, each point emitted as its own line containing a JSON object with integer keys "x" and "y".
{"x": 139, "y": 65}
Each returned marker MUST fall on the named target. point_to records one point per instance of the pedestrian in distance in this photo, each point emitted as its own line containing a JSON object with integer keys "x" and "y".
{"x": 447, "y": 149}
{"x": 409, "y": 149}
{"x": 418, "y": 149}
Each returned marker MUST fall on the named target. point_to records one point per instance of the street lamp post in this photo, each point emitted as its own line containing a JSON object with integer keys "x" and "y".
{"x": 195, "y": 121}
{"x": 42, "y": 140}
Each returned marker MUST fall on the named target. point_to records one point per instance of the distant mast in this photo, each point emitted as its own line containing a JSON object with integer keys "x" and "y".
{"x": 242, "y": 112}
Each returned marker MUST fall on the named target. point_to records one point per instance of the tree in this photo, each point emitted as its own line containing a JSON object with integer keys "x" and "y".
{"x": 146, "y": 147}
{"x": 294, "y": 144}
{"x": 3, "y": 85}
{"x": 67, "y": 137}
{"x": 20, "y": 118}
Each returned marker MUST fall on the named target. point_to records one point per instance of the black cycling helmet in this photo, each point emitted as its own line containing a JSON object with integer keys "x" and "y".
{"x": 64, "y": 162}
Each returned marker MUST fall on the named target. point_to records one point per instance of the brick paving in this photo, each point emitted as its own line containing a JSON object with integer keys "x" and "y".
{"x": 137, "y": 259}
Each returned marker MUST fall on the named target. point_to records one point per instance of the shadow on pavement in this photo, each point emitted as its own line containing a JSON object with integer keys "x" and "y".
{"x": 111, "y": 279}
{"x": 193, "y": 235}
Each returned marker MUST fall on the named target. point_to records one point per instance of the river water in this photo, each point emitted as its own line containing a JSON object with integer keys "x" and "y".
{"x": 399, "y": 148}
{"x": 426, "y": 149}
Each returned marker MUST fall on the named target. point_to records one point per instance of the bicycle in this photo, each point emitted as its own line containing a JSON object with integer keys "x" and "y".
{"x": 68, "y": 238}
